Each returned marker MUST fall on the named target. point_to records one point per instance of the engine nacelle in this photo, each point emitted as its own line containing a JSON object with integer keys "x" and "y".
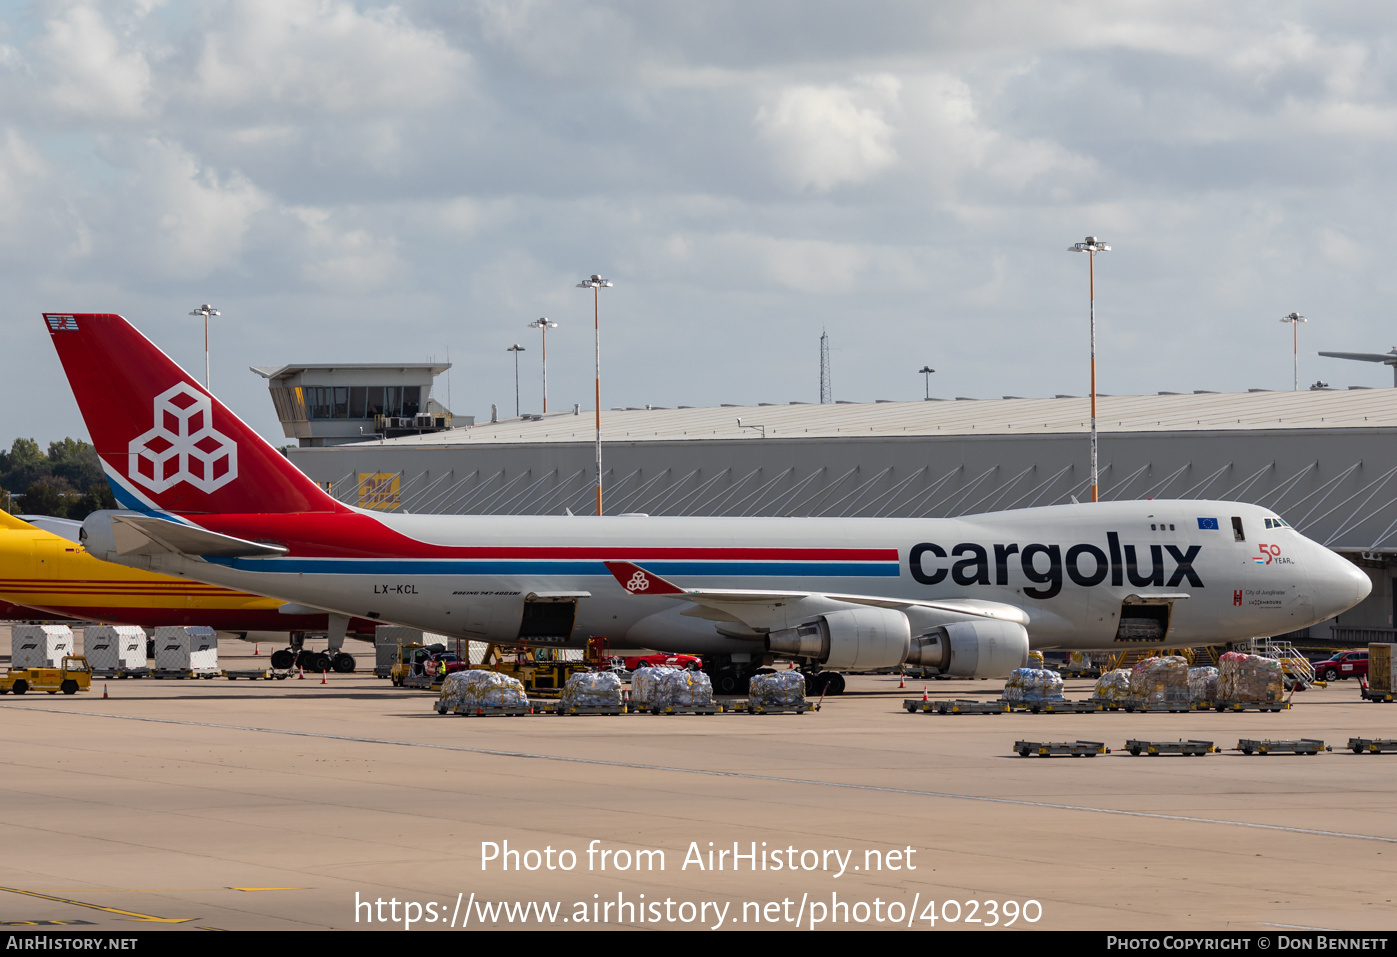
{"x": 972, "y": 649}
{"x": 853, "y": 640}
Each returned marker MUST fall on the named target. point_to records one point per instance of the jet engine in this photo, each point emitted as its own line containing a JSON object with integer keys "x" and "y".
{"x": 972, "y": 649}
{"x": 855, "y": 640}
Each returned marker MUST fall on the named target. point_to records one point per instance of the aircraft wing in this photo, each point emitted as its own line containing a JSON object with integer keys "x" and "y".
{"x": 764, "y": 610}
{"x": 137, "y": 534}
{"x": 1362, "y": 356}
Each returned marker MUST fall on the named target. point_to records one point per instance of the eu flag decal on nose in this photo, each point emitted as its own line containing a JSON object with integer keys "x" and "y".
{"x": 1208, "y": 523}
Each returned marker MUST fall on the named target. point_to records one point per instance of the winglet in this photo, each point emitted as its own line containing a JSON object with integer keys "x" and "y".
{"x": 638, "y": 581}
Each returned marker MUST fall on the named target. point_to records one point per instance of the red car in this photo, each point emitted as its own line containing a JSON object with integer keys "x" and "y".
{"x": 1345, "y": 664}
{"x": 432, "y": 665}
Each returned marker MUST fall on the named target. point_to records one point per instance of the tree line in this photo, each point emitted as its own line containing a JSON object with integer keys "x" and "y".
{"x": 67, "y": 482}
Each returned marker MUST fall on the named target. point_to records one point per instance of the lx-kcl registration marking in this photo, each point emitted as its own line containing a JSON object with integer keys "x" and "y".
{"x": 395, "y": 589}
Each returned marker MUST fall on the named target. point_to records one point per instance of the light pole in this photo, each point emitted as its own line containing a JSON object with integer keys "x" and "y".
{"x": 1295, "y": 319}
{"x": 206, "y": 310}
{"x": 516, "y": 349}
{"x": 926, "y": 372}
{"x": 595, "y": 283}
{"x": 543, "y": 324}
{"x": 1091, "y": 246}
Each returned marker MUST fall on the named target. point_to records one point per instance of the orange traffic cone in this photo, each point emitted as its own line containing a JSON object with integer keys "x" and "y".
{"x": 322, "y": 678}
{"x": 924, "y": 694}
{"x": 104, "y": 690}
{"x": 255, "y": 652}
{"x": 300, "y": 673}
{"x": 902, "y": 680}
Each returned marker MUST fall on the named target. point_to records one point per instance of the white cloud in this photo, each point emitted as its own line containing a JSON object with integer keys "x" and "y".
{"x": 340, "y": 259}
{"x": 326, "y": 57}
{"x": 822, "y": 136}
{"x": 193, "y": 220}
{"x": 1342, "y": 251}
{"x": 94, "y": 73}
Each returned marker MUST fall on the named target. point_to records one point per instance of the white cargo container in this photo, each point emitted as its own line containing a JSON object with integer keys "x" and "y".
{"x": 39, "y": 646}
{"x": 189, "y": 648}
{"x": 114, "y": 647}
{"x": 387, "y": 639}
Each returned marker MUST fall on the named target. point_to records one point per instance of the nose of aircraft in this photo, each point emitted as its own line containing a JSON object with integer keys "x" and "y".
{"x": 1339, "y": 585}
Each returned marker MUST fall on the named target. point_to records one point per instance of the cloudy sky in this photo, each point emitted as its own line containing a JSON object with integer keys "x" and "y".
{"x": 361, "y": 181}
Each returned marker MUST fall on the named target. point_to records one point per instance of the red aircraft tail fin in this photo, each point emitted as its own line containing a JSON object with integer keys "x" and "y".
{"x": 165, "y": 443}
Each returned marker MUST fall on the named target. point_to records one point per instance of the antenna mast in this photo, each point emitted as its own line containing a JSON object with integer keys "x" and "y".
{"x": 826, "y": 392}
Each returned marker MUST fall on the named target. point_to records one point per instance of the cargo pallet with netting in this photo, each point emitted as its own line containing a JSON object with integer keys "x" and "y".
{"x": 1155, "y": 748}
{"x": 1268, "y": 746}
{"x": 1372, "y": 745}
{"x": 959, "y": 706}
{"x": 1075, "y": 749}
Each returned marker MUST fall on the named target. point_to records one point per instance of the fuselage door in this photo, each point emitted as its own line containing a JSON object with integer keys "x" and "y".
{"x": 1145, "y": 618}
{"x": 549, "y": 617}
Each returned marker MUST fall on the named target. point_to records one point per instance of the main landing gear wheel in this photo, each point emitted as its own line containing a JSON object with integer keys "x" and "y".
{"x": 315, "y": 661}
{"x": 283, "y": 659}
{"x": 342, "y": 663}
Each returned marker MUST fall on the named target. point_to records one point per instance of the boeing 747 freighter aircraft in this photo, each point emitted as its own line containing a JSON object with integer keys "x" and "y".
{"x": 206, "y": 498}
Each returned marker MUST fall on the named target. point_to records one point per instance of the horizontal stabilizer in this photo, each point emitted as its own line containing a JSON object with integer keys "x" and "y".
{"x": 137, "y": 534}
{"x": 1362, "y": 356}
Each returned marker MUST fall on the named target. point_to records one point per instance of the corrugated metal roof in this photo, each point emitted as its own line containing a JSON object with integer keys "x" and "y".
{"x": 1211, "y": 412}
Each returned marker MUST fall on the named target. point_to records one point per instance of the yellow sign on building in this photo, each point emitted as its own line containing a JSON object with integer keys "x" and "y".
{"x": 379, "y": 490}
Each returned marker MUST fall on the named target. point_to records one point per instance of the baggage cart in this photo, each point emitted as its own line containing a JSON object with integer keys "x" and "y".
{"x": 1155, "y": 748}
{"x": 1252, "y": 706}
{"x": 1075, "y": 749}
{"x": 959, "y": 706}
{"x": 1290, "y": 746}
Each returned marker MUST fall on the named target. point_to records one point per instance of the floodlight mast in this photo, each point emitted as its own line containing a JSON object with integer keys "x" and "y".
{"x": 1295, "y": 319}
{"x": 596, "y": 283}
{"x": 543, "y": 324}
{"x": 516, "y": 349}
{"x": 1091, "y": 246}
{"x": 926, "y": 372}
{"x": 206, "y": 310}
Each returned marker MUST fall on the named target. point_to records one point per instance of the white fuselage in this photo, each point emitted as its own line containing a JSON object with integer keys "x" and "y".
{"x": 1068, "y": 568}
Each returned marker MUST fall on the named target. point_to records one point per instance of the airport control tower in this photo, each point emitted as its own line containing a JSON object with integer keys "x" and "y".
{"x": 340, "y": 403}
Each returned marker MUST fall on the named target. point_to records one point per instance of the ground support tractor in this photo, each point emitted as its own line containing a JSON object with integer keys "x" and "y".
{"x": 72, "y": 676}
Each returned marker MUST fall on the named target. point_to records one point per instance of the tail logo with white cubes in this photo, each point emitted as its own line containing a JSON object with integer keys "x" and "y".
{"x": 183, "y": 446}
